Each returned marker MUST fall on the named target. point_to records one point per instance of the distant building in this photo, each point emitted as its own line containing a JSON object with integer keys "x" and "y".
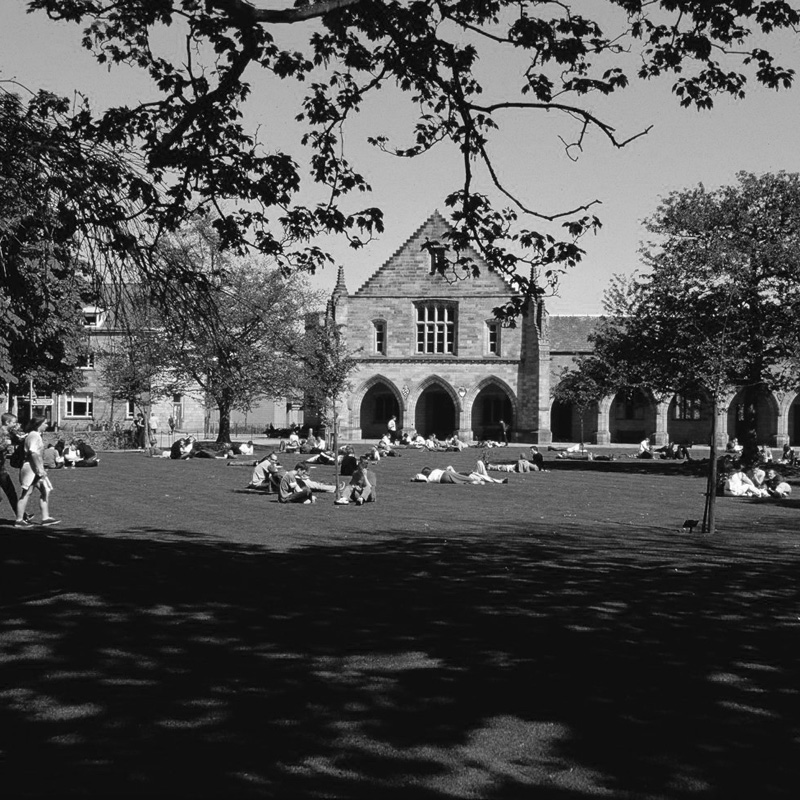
{"x": 435, "y": 357}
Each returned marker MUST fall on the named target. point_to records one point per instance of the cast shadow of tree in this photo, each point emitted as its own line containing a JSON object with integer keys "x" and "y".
{"x": 424, "y": 667}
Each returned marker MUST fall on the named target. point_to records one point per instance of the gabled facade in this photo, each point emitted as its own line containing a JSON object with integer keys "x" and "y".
{"x": 433, "y": 355}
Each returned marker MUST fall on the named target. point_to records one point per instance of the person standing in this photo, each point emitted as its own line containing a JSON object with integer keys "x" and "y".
{"x": 391, "y": 428}
{"x": 32, "y": 473}
{"x": 152, "y": 426}
{"x": 504, "y": 429}
{"x": 8, "y": 441}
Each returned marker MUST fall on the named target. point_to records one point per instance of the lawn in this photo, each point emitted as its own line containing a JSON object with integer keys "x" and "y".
{"x": 555, "y": 637}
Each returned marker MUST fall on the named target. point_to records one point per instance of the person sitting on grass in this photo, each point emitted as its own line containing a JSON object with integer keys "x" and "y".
{"x": 292, "y": 444}
{"x": 297, "y": 487}
{"x": 386, "y": 448}
{"x": 454, "y": 444}
{"x": 267, "y": 474}
{"x": 293, "y": 488}
{"x": 349, "y": 462}
{"x": 71, "y": 455}
{"x": 87, "y": 457}
{"x": 737, "y": 484}
{"x": 788, "y": 456}
{"x": 776, "y": 486}
{"x": 362, "y": 487}
{"x": 51, "y": 457}
{"x": 645, "y": 449}
{"x": 246, "y": 448}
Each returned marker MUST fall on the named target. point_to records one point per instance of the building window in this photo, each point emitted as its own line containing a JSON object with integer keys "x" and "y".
{"x": 93, "y": 317}
{"x": 130, "y": 409}
{"x": 436, "y": 328}
{"x": 438, "y": 261}
{"x": 379, "y": 337}
{"x": 493, "y": 338}
{"x": 86, "y": 361}
{"x": 630, "y": 406}
{"x": 687, "y": 407}
{"x": 80, "y": 405}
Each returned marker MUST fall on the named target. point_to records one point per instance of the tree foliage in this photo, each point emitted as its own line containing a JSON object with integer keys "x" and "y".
{"x": 239, "y": 335}
{"x": 198, "y": 154}
{"x": 135, "y": 360}
{"x": 581, "y": 387}
{"x": 41, "y": 284}
{"x": 720, "y": 307}
{"x": 327, "y": 364}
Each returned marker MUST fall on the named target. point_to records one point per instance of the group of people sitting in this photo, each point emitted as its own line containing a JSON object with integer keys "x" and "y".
{"x": 63, "y": 455}
{"x": 296, "y": 486}
{"x": 756, "y": 482}
{"x": 672, "y": 450}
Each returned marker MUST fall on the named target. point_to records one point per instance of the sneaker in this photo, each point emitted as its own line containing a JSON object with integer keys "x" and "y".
{"x": 27, "y": 516}
{"x": 50, "y": 521}
{"x": 505, "y": 480}
{"x": 23, "y": 523}
{"x": 342, "y": 501}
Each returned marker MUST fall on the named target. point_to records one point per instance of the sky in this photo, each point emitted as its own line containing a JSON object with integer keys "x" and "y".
{"x": 684, "y": 148}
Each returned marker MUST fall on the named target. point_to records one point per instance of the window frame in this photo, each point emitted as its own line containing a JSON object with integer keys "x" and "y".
{"x": 441, "y": 327}
{"x": 379, "y": 331}
{"x": 86, "y": 398}
{"x": 492, "y": 336}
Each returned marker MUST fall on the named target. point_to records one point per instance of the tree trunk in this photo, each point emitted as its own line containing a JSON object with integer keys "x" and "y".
{"x": 224, "y": 434}
{"x": 710, "y": 511}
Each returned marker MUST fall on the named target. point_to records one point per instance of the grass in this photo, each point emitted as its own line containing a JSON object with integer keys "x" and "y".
{"x": 555, "y": 637}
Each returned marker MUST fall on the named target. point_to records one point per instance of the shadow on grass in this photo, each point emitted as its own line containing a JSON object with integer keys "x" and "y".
{"x": 425, "y": 667}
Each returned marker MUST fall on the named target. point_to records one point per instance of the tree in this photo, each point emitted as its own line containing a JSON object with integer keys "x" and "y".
{"x": 720, "y": 307}
{"x": 197, "y": 153}
{"x": 42, "y": 285}
{"x": 580, "y": 387}
{"x": 239, "y": 334}
{"x": 135, "y": 361}
{"x": 327, "y": 365}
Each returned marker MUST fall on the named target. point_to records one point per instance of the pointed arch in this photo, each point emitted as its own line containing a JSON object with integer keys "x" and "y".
{"x": 490, "y": 401}
{"x": 373, "y": 403}
{"x": 435, "y": 407}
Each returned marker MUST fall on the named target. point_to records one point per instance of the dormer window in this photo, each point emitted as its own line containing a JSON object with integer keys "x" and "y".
{"x": 438, "y": 260}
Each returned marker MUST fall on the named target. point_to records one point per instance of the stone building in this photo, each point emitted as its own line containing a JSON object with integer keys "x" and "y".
{"x": 433, "y": 355}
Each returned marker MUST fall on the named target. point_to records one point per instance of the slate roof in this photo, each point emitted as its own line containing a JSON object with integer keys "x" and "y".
{"x": 570, "y": 334}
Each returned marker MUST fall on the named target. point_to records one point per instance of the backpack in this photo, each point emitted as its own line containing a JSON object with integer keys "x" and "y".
{"x": 18, "y": 456}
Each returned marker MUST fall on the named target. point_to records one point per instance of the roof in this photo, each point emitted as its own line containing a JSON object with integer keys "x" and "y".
{"x": 408, "y": 272}
{"x": 571, "y": 334}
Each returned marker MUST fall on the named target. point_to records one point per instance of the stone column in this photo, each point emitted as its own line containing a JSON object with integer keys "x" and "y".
{"x": 661, "y": 435}
{"x": 603, "y": 420}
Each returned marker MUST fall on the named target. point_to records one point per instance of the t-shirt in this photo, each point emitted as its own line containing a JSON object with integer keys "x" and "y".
{"x": 435, "y": 475}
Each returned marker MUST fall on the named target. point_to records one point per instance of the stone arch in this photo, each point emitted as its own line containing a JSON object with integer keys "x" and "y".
{"x": 790, "y": 415}
{"x": 434, "y": 407}
{"x": 767, "y": 411}
{"x": 631, "y": 416}
{"x": 491, "y": 400}
{"x": 372, "y": 405}
{"x": 565, "y": 421}
{"x": 689, "y": 417}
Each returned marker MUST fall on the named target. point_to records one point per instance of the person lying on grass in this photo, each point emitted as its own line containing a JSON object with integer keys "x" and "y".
{"x": 535, "y": 463}
{"x": 449, "y": 475}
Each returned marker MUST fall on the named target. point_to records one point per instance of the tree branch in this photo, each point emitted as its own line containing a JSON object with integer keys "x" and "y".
{"x": 286, "y": 16}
